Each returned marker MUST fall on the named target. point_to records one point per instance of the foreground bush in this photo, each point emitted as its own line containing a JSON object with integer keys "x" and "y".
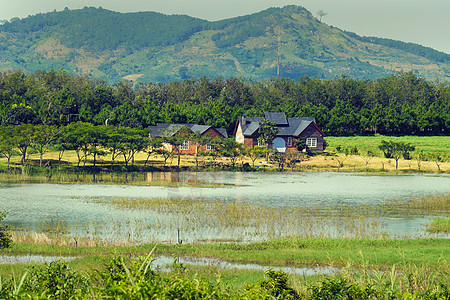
{"x": 127, "y": 278}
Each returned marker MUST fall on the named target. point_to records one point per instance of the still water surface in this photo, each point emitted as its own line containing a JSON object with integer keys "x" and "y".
{"x": 30, "y": 204}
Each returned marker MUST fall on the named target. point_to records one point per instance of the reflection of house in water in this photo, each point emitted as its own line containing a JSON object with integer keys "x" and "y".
{"x": 163, "y": 176}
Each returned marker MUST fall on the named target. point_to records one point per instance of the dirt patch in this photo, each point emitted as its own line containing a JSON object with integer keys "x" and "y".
{"x": 133, "y": 77}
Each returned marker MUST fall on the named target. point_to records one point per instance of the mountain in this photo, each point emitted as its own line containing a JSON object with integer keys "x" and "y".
{"x": 149, "y": 46}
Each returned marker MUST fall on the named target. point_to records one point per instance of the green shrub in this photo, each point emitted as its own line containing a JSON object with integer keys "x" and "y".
{"x": 56, "y": 280}
{"x": 276, "y": 285}
{"x": 5, "y": 235}
{"x": 339, "y": 288}
{"x": 134, "y": 279}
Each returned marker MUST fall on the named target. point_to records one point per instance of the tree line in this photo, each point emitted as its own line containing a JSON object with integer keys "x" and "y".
{"x": 113, "y": 143}
{"x": 95, "y": 142}
{"x": 400, "y": 104}
{"x": 116, "y": 145}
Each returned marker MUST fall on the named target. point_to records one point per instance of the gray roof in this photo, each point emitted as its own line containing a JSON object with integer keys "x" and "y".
{"x": 278, "y": 118}
{"x": 249, "y": 125}
{"x": 169, "y": 129}
{"x": 289, "y": 127}
{"x": 223, "y": 132}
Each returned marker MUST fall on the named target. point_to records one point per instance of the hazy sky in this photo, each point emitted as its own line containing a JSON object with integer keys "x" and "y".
{"x": 426, "y": 22}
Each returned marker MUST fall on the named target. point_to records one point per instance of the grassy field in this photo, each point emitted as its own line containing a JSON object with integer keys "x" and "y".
{"x": 427, "y": 144}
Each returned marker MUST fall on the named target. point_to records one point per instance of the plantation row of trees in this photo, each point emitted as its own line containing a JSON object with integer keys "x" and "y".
{"x": 95, "y": 141}
{"x": 401, "y": 104}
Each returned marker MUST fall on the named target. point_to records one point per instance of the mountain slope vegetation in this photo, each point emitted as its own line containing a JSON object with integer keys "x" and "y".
{"x": 149, "y": 46}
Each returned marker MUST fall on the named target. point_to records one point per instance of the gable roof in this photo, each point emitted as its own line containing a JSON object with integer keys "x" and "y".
{"x": 170, "y": 129}
{"x": 278, "y": 118}
{"x": 287, "y": 126}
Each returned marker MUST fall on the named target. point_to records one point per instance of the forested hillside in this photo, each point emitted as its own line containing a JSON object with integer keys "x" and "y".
{"x": 400, "y": 104}
{"x": 149, "y": 46}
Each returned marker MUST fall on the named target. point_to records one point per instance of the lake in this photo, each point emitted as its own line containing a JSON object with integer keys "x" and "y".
{"x": 34, "y": 204}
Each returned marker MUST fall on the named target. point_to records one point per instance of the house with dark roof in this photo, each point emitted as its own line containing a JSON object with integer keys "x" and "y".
{"x": 247, "y": 131}
{"x": 187, "y": 147}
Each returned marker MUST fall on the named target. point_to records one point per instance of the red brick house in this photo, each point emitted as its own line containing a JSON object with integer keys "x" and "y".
{"x": 246, "y": 131}
{"x": 188, "y": 147}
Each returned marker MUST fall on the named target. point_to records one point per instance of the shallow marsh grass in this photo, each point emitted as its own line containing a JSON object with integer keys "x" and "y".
{"x": 191, "y": 220}
{"x": 429, "y": 205}
{"x": 439, "y": 225}
{"x": 36, "y": 238}
{"x": 245, "y": 221}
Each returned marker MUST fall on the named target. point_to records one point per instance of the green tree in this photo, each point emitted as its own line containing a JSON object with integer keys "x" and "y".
{"x": 267, "y": 132}
{"x": 133, "y": 142}
{"x": 280, "y": 158}
{"x": 183, "y": 135}
{"x": 300, "y": 145}
{"x": 199, "y": 140}
{"x": 113, "y": 141}
{"x": 23, "y": 134}
{"x": 321, "y": 14}
{"x": 7, "y": 143}
{"x": 42, "y": 139}
{"x": 20, "y": 114}
{"x": 395, "y": 150}
{"x": 368, "y": 157}
{"x": 231, "y": 149}
{"x": 165, "y": 153}
{"x": 420, "y": 157}
{"x": 151, "y": 147}
{"x": 97, "y": 138}
{"x": 438, "y": 159}
{"x": 257, "y": 152}
{"x": 341, "y": 159}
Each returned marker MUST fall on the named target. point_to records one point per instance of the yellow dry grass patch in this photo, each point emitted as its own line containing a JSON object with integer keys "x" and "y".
{"x": 52, "y": 49}
{"x": 320, "y": 162}
{"x": 133, "y": 77}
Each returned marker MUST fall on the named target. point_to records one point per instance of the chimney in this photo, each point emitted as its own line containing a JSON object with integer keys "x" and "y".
{"x": 243, "y": 119}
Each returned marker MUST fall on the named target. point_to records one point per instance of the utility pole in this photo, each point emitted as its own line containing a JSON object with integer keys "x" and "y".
{"x": 278, "y": 65}
{"x": 278, "y": 30}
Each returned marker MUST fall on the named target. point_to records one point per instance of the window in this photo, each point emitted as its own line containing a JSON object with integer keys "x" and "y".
{"x": 209, "y": 147}
{"x": 184, "y": 145}
{"x": 311, "y": 142}
{"x": 289, "y": 142}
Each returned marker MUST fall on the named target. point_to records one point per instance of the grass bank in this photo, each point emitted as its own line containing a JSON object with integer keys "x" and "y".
{"x": 383, "y": 253}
